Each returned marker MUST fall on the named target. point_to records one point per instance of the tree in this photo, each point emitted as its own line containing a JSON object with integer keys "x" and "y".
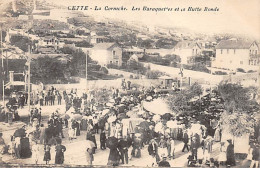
{"x": 47, "y": 70}
{"x": 195, "y": 90}
{"x": 237, "y": 124}
{"x": 21, "y": 42}
{"x": 237, "y": 98}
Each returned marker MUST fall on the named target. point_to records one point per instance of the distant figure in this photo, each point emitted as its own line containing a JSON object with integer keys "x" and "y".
{"x": 47, "y": 153}
{"x": 60, "y": 149}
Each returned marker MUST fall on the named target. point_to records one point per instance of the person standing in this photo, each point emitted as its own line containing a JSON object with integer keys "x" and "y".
{"x": 47, "y": 153}
{"x": 103, "y": 140}
{"x": 186, "y": 141}
{"x": 170, "y": 148}
{"x": 35, "y": 152}
{"x": 60, "y": 149}
{"x": 230, "y": 154}
{"x": 123, "y": 149}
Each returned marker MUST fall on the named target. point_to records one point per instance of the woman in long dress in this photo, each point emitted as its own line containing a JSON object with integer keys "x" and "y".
{"x": 217, "y": 135}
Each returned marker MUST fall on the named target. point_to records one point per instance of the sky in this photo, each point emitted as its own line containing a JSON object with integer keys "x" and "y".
{"x": 234, "y": 16}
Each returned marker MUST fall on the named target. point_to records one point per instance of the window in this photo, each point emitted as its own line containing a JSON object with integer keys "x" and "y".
{"x": 192, "y": 51}
{"x": 111, "y": 62}
{"x": 234, "y": 51}
{"x": 230, "y": 61}
{"x": 221, "y": 51}
{"x": 117, "y": 62}
{"x": 255, "y": 62}
{"x": 250, "y": 52}
{"x": 227, "y": 51}
{"x": 241, "y": 62}
{"x": 249, "y": 62}
{"x": 114, "y": 53}
{"x": 256, "y": 52}
{"x": 196, "y": 51}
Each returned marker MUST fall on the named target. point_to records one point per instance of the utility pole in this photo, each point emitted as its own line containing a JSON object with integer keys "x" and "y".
{"x": 29, "y": 81}
{"x": 2, "y": 55}
{"x": 87, "y": 73}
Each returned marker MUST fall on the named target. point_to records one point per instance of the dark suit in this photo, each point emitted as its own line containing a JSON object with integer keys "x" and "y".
{"x": 185, "y": 140}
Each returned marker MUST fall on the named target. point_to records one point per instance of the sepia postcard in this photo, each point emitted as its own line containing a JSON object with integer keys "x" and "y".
{"x": 129, "y": 83}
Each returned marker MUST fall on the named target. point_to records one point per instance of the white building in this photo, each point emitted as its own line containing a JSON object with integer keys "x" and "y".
{"x": 233, "y": 54}
{"x": 187, "y": 50}
{"x": 107, "y": 53}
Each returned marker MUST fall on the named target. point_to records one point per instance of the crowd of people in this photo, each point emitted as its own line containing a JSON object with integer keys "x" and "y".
{"x": 126, "y": 128}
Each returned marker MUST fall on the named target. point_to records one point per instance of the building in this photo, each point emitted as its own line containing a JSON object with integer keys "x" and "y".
{"x": 233, "y": 54}
{"x": 107, "y": 53}
{"x": 187, "y": 50}
{"x": 51, "y": 41}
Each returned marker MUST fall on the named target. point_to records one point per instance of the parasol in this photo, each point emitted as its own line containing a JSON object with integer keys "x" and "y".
{"x": 85, "y": 117}
{"x": 158, "y": 106}
{"x": 77, "y": 117}
{"x": 20, "y": 133}
{"x": 112, "y": 142}
{"x": 65, "y": 116}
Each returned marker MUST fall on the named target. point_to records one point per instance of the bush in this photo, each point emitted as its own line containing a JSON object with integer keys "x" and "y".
{"x": 153, "y": 74}
{"x": 220, "y": 73}
{"x": 251, "y": 71}
{"x": 241, "y": 70}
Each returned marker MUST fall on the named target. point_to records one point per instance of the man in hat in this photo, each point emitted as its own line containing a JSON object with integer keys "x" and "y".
{"x": 185, "y": 140}
{"x": 123, "y": 149}
{"x": 164, "y": 162}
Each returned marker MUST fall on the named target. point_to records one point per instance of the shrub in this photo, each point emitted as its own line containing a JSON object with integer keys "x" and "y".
{"x": 241, "y": 70}
{"x": 220, "y": 73}
{"x": 251, "y": 71}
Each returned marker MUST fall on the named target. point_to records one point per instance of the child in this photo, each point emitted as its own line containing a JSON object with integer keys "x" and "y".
{"x": 47, "y": 153}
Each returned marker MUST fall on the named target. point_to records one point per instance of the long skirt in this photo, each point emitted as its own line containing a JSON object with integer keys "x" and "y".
{"x": 113, "y": 159}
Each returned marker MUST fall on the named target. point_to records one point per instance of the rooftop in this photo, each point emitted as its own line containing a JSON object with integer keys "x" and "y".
{"x": 234, "y": 44}
{"x": 105, "y": 46}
